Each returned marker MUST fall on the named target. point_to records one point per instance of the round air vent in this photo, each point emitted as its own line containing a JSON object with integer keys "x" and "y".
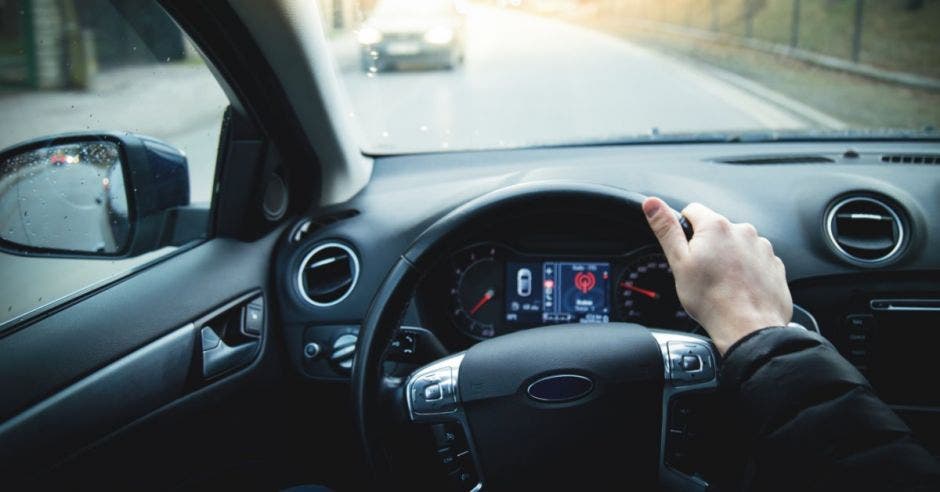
{"x": 865, "y": 230}
{"x": 328, "y": 274}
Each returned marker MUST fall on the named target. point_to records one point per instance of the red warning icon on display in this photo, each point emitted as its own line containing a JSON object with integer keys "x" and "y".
{"x": 584, "y": 281}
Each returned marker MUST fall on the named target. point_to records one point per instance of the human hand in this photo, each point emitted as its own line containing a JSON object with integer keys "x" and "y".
{"x": 727, "y": 276}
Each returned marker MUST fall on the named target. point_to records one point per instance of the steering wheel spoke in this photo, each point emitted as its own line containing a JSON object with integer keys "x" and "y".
{"x": 431, "y": 392}
{"x": 432, "y": 396}
{"x": 690, "y": 364}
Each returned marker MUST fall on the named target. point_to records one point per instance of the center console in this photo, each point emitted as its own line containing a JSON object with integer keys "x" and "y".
{"x": 888, "y": 327}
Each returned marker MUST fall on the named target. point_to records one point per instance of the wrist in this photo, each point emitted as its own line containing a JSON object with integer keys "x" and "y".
{"x": 725, "y": 334}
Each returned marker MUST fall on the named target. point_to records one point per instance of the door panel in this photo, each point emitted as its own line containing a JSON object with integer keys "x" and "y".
{"x": 95, "y": 366}
{"x": 152, "y": 376}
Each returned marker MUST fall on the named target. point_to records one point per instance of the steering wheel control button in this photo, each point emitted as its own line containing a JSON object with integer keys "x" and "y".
{"x": 448, "y": 457}
{"x": 433, "y": 393}
{"x": 690, "y": 363}
{"x": 463, "y": 479}
{"x": 444, "y": 435}
{"x": 404, "y": 345}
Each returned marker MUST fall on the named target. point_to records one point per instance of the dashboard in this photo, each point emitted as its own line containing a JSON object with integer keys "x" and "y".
{"x": 856, "y": 230}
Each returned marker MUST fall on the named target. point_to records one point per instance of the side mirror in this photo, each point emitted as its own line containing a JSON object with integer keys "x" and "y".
{"x": 95, "y": 195}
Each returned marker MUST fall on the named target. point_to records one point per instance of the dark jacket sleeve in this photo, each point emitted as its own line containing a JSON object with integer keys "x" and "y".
{"x": 810, "y": 420}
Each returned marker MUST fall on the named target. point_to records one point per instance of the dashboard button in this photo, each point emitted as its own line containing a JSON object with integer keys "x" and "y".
{"x": 860, "y": 322}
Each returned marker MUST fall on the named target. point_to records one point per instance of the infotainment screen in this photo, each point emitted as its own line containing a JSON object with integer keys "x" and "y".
{"x": 550, "y": 292}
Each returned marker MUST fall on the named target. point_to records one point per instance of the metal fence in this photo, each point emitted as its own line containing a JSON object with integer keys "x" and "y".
{"x": 894, "y": 34}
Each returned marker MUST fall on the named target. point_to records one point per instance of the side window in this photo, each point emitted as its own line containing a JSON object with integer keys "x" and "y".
{"x": 109, "y": 125}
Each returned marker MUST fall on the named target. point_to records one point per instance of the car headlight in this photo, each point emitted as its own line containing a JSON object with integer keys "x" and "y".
{"x": 439, "y": 35}
{"x": 369, "y": 35}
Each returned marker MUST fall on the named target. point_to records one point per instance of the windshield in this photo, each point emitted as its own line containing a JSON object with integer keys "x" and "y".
{"x": 413, "y": 9}
{"x": 524, "y": 73}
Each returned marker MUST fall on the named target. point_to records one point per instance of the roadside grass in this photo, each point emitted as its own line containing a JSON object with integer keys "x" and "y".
{"x": 892, "y": 38}
{"x": 858, "y": 101}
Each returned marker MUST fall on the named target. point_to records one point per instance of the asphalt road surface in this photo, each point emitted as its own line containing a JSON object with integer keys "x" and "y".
{"x": 529, "y": 80}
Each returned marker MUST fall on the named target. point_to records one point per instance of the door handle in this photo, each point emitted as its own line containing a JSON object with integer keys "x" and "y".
{"x": 218, "y": 356}
{"x": 231, "y": 335}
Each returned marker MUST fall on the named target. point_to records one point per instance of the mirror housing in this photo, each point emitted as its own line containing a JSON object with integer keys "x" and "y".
{"x": 95, "y": 195}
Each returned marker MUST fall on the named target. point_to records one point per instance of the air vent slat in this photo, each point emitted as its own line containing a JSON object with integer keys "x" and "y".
{"x": 865, "y": 230}
{"x": 867, "y": 244}
{"x": 911, "y": 158}
{"x": 328, "y": 273}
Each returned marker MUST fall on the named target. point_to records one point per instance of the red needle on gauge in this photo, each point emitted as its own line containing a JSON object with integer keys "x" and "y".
{"x": 647, "y": 293}
{"x": 483, "y": 300}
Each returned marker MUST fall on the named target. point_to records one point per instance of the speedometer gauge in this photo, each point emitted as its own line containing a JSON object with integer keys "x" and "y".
{"x": 646, "y": 294}
{"x": 478, "y": 292}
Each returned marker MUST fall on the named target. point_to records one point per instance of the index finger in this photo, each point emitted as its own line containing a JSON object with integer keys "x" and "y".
{"x": 699, "y": 215}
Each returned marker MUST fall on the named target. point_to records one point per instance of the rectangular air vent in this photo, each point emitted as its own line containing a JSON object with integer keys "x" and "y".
{"x": 911, "y": 158}
{"x": 778, "y": 159}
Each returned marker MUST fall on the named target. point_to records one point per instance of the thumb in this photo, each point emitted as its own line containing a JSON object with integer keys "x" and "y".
{"x": 665, "y": 225}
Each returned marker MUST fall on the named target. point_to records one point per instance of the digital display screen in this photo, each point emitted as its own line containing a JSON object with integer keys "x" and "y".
{"x": 552, "y": 292}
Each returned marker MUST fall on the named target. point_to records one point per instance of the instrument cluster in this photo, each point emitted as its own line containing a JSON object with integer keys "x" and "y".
{"x": 494, "y": 290}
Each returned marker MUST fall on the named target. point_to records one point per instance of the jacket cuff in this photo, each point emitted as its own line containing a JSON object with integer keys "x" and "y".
{"x": 748, "y": 354}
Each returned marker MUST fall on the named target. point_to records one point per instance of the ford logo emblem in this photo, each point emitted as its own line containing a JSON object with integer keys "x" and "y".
{"x": 559, "y": 388}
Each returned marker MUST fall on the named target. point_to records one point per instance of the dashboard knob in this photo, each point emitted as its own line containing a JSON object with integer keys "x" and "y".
{"x": 344, "y": 349}
{"x": 311, "y": 350}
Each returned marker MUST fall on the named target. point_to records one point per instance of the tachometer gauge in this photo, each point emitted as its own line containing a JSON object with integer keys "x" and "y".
{"x": 646, "y": 294}
{"x": 478, "y": 291}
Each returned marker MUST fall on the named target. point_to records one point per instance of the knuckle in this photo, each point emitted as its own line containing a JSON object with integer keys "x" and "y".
{"x": 723, "y": 224}
{"x": 691, "y": 207}
{"x": 749, "y": 229}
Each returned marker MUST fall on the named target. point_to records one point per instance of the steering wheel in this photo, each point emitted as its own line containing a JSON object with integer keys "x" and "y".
{"x": 558, "y": 407}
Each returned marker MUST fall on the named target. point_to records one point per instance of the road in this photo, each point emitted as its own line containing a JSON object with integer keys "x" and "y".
{"x": 530, "y": 80}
